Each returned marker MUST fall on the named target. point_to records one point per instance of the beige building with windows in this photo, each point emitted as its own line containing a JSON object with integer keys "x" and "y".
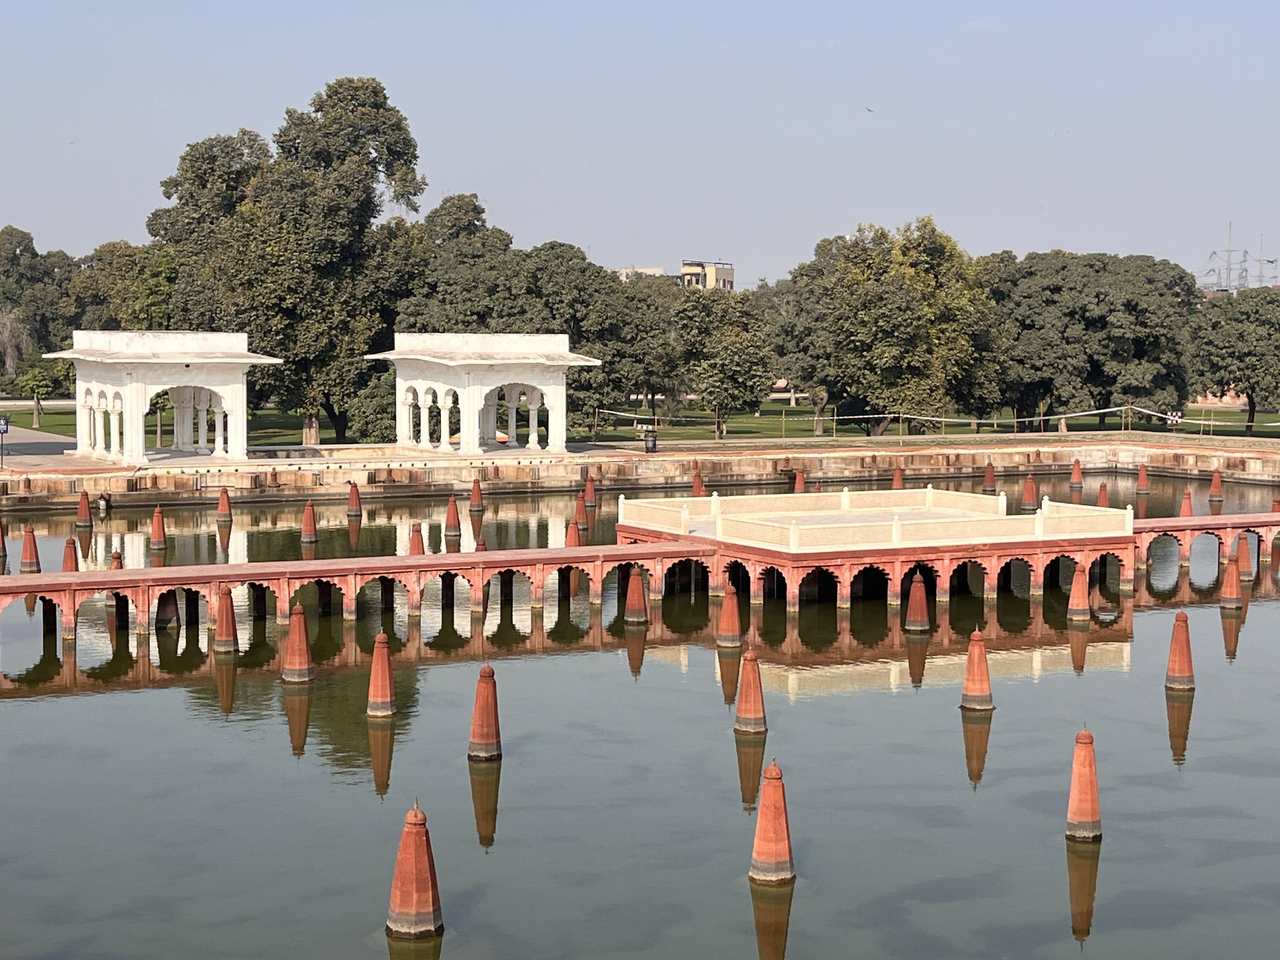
{"x": 707, "y": 274}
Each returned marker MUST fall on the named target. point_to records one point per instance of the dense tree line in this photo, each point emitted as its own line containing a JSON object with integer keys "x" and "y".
{"x": 288, "y": 240}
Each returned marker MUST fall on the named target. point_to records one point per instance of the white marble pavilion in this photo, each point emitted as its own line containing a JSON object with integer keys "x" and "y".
{"x": 437, "y": 371}
{"x": 119, "y": 372}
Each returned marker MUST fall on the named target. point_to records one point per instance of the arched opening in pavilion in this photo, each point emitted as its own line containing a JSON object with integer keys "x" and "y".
{"x": 819, "y": 609}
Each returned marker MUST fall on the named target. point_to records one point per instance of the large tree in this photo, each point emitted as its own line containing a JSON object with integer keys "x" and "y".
{"x": 280, "y": 245}
{"x": 37, "y": 312}
{"x": 1091, "y": 331}
{"x": 889, "y": 322}
{"x": 1237, "y": 348}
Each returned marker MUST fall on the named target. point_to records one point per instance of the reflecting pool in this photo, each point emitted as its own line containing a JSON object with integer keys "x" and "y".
{"x": 187, "y": 803}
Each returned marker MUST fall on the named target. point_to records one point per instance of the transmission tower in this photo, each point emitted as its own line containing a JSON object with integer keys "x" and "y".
{"x": 1232, "y": 268}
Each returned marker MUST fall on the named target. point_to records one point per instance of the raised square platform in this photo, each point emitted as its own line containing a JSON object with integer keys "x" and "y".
{"x": 866, "y": 520}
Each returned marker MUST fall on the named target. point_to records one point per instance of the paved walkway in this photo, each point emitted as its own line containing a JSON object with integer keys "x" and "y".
{"x": 32, "y": 450}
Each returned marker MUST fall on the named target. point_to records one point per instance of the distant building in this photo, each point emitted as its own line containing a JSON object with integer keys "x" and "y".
{"x": 626, "y": 273}
{"x": 707, "y": 274}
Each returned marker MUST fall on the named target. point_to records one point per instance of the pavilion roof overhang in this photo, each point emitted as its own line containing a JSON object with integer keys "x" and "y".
{"x": 98, "y": 355}
{"x": 468, "y": 358}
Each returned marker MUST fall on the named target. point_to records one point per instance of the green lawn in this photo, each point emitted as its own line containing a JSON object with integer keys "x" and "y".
{"x": 267, "y": 428}
{"x": 777, "y": 420}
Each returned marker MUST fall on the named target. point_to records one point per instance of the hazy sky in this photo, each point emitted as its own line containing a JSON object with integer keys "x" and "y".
{"x": 650, "y": 132}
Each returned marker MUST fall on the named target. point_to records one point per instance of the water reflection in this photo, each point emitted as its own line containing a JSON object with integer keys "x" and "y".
{"x": 828, "y": 648}
{"x": 976, "y": 728}
{"x": 749, "y": 747}
{"x": 1083, "y": 858}
{"x": 381, "y": 745}
{"x": 869, "y": 633}
{"x": 771, "y": 910}
{"x": 1178, "y": 704}
{"x": 485, "y": 776}
{"x": 296, "y": 701}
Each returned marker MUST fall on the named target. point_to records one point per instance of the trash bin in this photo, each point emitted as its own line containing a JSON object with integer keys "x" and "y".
{"x": 651, "y": 440}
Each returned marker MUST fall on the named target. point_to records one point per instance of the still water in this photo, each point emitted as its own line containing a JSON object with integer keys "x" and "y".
{"x": 198, "y": 808}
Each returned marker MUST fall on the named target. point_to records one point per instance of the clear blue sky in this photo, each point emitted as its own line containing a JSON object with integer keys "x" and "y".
{"x": 650, "y": 132}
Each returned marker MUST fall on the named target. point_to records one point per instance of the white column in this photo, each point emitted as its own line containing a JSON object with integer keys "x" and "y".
{"x": 84, "y": 429}
{"x": 444, "y": 403}
{"x": 202, "y": 418}
{"x": 219, "y": 441}
{"x": 513, "y": 398}
{"x": 404, "y": 417}
{"x": 82, "y": 424}
{"x": 173, "y": 427}
{"x": 181, "y": 419}
{"x": 100, "y": 424}
{"x": 135, "y": 423}
{"x": 557, "y": 417}
{"x": 535, "y": 402}
{"x": 489, "y": 421}
{"x": 117, "y": 452}
{"x": 470, "y": 399}
{"x": 235, "y": 402}
{"x": 189, "y": 421}
{"x": 424, "y": 419}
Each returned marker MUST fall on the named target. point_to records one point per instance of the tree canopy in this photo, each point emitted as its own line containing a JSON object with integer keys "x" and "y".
{"x": 884, "y": 322}
{"x": 1090, "y": 331}
{"x": 311, "y": 242}
{"x": 1237, "y": 348}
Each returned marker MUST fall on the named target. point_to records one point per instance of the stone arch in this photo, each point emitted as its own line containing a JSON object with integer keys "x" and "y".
{"x": 737, "y": 573}
{"x": 686, "y": 606}
{"x": 644, "y": 566}
{"x": 1254, "y": 540}
{"x": 507, "y": 614}
{"x": 773, "y": 583}
{"x": 328, "y": 595}
{"x": 614, "y": 584}
{"x": 568, "y": 586}
{"x": 1168, "y": 541}
{"x": 261, "y": 602}
{"x": 685, "y": 575}
{"x": 386, "y": 601}
{"x": 820, "y": 608}
{"x": 513, "y": 395}
{"x": 1203, "y": 558}
{"x": 567, "y": 592}
{"x": 193, "y": 436}
{"x": 181, "y": 608}
{"x": 820, "y": 584}
{"x": 1056, "y": 574}
{"x": 1014, "y": 587}
{"x": 870, "y": 582}
{"x": 930, "y": 573}
{"x": 967, "y": 578}
{"x": 108, "y": 628}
